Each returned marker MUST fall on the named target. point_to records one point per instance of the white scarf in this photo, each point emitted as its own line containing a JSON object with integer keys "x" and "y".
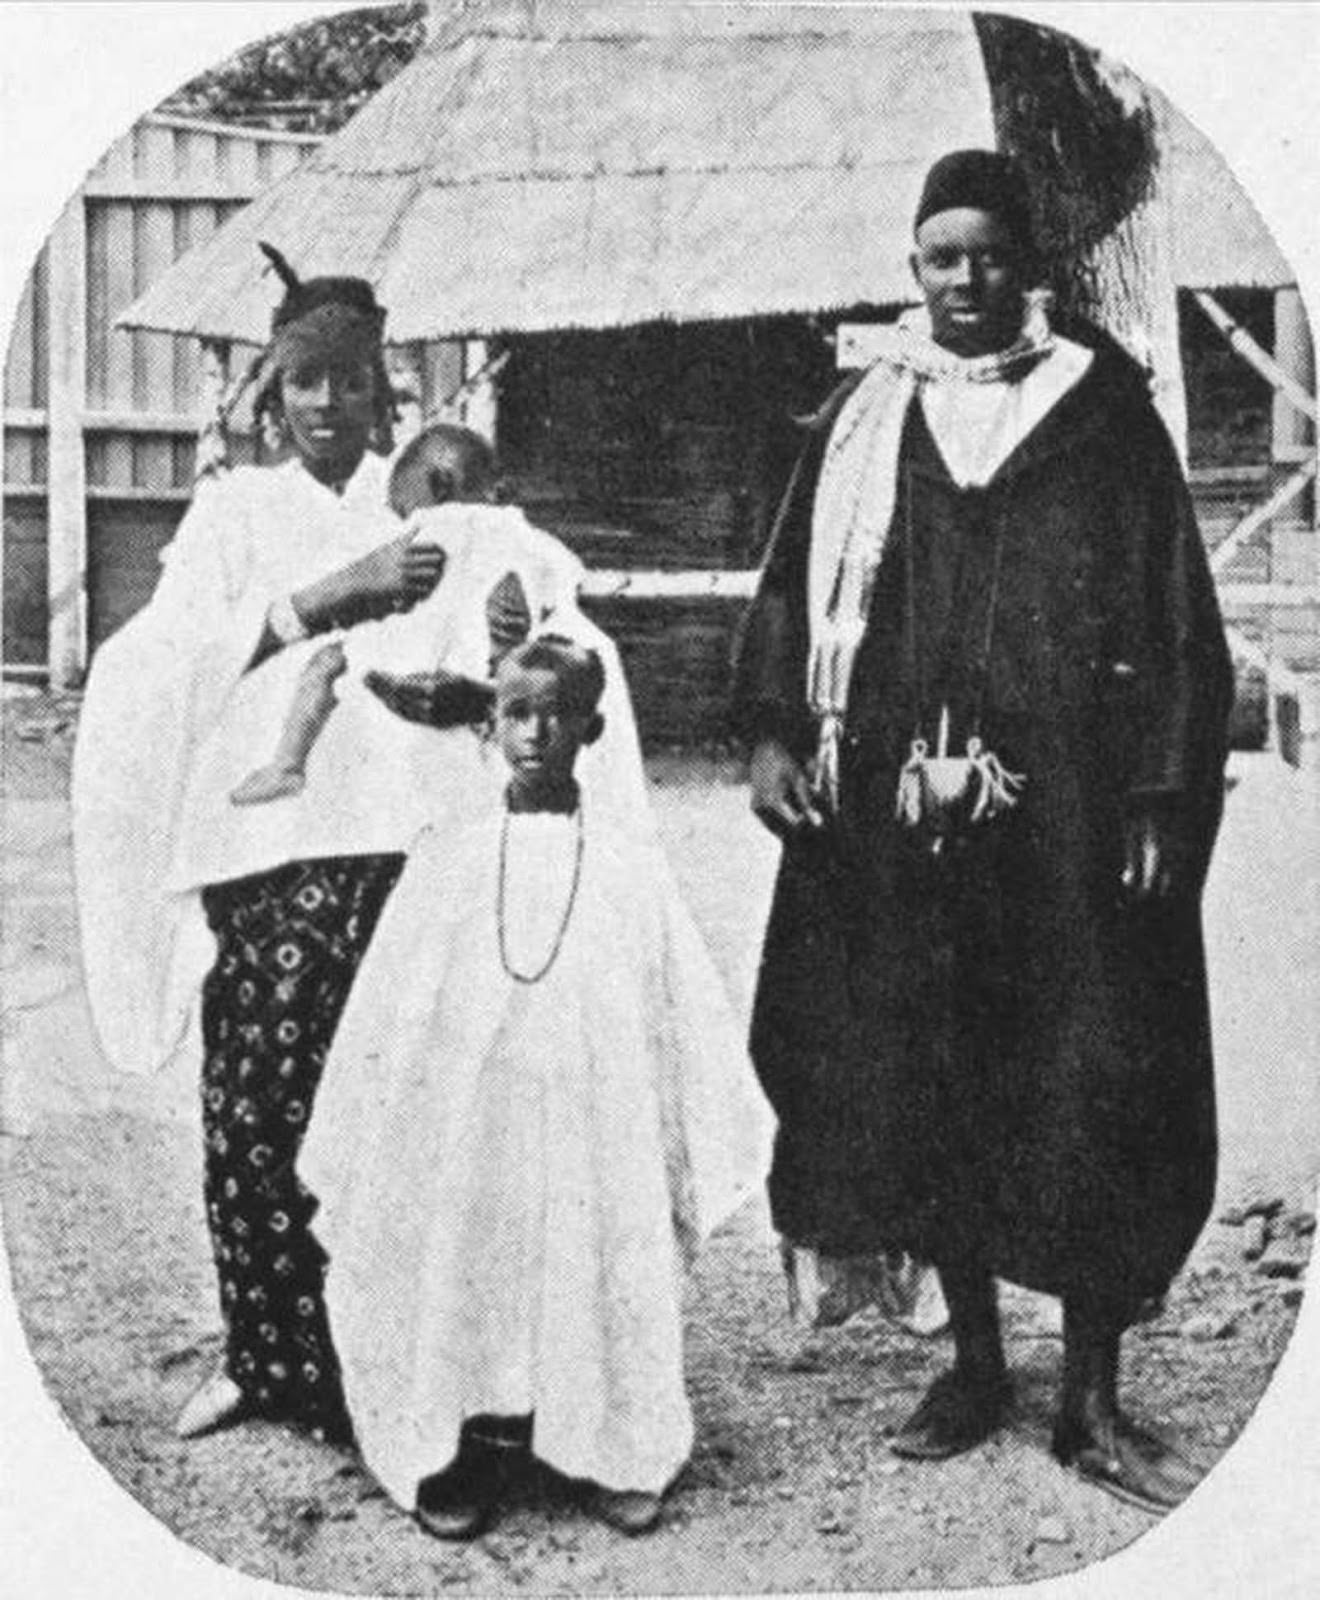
{"x": 857, "y": 493}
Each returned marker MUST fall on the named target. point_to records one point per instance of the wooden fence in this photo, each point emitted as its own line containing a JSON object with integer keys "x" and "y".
{"x": 100, "y": 422}
{"x": 101, "y": 425}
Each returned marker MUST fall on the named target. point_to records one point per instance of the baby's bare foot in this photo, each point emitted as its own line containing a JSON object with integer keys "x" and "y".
{"x": 268, "y": 783}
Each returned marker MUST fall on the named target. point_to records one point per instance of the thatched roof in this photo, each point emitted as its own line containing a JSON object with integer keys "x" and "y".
{"x": 611, "y": 165}
{"x": 1219, "y": 240}
{"x": 560, "y": 165}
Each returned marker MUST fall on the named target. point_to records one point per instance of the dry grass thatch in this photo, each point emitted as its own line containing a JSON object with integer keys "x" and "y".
{"x": 552, "y": 166}
{"x": 581, "y": 177}
{"x": 1219, "y": 240}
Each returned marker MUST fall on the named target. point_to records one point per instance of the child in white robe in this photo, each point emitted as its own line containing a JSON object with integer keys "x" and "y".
{"x": 537, "y": 1104}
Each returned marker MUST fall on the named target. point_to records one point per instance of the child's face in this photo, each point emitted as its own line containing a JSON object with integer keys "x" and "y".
{"x": 537, "y": 734}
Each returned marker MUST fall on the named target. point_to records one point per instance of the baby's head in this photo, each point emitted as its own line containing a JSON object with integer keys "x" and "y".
{"x": 547, "y": 699}
{"x": 442, "y": 463}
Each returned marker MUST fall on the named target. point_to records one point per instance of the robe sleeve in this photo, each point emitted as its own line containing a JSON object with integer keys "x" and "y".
{"x": 1175, "y": 637}
{"x": 770, "y": 667}
{"x": 155, "y": 688}
{"x": 1171, "y": 644}
{"x": 717, "y": 1125}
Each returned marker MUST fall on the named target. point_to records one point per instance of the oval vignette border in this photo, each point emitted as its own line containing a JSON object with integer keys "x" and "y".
{"x": 67, "y": 1528}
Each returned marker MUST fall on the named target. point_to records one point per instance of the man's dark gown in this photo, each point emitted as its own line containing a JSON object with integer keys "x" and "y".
{"x": 993, "y": 1052}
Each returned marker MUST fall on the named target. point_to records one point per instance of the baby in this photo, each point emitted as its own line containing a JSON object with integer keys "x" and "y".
{"x": 537, "y": 1105}
{"x": 442, "y": 466}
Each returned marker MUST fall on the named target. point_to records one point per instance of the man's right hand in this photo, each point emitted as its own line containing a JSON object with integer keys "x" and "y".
{"x": 782, "y": 796}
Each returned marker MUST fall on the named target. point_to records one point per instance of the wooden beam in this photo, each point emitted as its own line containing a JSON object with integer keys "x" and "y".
{"x": 139, "y": 422}
{"x": 1280, "y": 595}
{"x": 27, "y": 419}
{"x": 227, "y": 130}
{"x": 603, "y": 583}
{"x": 137, "y": 494}
{"x": 66, "y": 585}
{"x": 477, "y": 400}
{"x": 1258, "y": 516}
{"x": 1260, "y": 360}
{"x": 1279, "y": 675}
{"x": 169, "y": 191}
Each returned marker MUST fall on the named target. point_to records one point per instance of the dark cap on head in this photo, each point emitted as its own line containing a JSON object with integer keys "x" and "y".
{"x": 979, "y": 180}
{"x": 304, "y": 296}
{"x": 319, "y": 316}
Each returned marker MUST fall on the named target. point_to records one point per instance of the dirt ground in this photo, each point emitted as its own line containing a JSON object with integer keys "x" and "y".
{"x": 791, "y": 1485}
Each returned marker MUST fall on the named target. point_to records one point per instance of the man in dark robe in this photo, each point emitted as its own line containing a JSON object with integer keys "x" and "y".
{"x": 982, "y": 1015}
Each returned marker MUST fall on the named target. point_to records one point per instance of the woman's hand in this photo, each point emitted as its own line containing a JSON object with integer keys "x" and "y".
{"x": 393, "y": 577}
{"x": 781, "y": 790}
{"x": 435, "y": 699}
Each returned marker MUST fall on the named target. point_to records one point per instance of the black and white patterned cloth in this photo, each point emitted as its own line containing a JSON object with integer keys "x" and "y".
{"x": 289, "y": 942}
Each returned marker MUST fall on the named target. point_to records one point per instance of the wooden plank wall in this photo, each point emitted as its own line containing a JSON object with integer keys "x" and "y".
{"x": 160, "y": 190}
{"x": 122, "y": 444}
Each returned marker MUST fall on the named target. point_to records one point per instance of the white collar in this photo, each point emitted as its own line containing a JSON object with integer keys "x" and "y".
{"x": 366, "y": 486}
{"x": 977, "y": 426}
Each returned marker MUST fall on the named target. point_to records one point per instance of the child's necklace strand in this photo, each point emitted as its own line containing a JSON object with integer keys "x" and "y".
{"x": 513, "y": 972}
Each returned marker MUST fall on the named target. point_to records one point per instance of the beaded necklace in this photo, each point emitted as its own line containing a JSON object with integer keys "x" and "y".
{"x": 557, "y": 945}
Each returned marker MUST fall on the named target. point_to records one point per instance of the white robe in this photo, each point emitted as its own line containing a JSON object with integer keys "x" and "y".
{"x": 512, "y": 1176}
{"x": 172, "y": 721}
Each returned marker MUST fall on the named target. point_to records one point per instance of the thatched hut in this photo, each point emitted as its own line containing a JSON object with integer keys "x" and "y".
{"x": 651, "y": 221}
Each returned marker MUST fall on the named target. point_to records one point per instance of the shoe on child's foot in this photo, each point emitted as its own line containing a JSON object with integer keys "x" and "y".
{"x": 628, "y": 1511}
{"x": 219, "y": 1403}
{"x": 460, "y": 1503}
{"x": 268, "y": 783}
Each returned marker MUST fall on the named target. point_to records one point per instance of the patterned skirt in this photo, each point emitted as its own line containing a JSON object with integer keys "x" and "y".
{"x": 289, "y": 942}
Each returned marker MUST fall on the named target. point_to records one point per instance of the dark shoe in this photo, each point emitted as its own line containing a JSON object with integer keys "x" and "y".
{"x": 460, "y": 1503}
{"x": 956, "y": 1415}
{"x": 627, "y": 1510}
{"x": 455, "y": 1520}
{"x": 1131, "y": 1462}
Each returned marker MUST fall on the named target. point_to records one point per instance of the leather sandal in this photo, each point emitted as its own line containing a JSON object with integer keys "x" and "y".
{"x": 957, "y": 1413}
{"x": 1135, "y": 1464}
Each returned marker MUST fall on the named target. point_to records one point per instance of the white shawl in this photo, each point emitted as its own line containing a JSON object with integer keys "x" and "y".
{"x": 857, "y": 493}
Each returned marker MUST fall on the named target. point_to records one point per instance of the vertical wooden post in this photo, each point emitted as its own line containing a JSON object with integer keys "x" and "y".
{"x": 66, "y": 506}
{"x": 212, "y": 456}
{"x": 1293, "y": 435}
{"x": 480, "y": 405}
{"x": 406, "y": 367}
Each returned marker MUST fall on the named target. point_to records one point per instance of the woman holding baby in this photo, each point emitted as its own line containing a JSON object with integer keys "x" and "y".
{"x": 231, "y": 933}
{"x": 265, "y": 558}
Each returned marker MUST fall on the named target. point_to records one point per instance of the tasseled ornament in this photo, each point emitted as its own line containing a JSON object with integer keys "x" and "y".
{"x": 934, "y": 789}
{"x": 909, "y": 803}
{"x": 826, "y": 775}
{"x": 998, "y": 788}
